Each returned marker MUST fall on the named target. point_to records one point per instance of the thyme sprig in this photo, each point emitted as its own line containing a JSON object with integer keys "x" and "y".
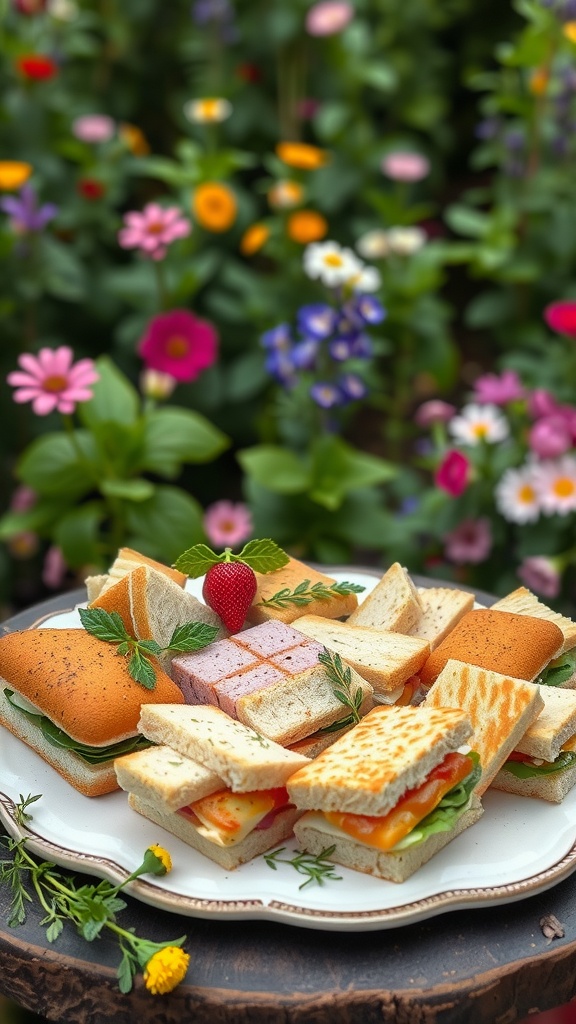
{"x": 341, "y": 679}
{"x": 317, "y": 868}
{"x": 90, "y": 907}
{"x": 305, "y": 594}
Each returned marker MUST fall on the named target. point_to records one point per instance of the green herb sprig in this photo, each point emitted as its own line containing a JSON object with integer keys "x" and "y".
{"x": 90, "y": 907}
{"x": 108, "y": 626}
{"x": 341, "y": 679}
{"x": 318, "y": 869}
{"x": 262, "y": 556}
{"x": 304, "y": 593}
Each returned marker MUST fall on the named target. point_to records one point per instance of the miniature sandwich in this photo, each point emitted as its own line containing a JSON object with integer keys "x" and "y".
{"x": 274, "y": 679}
{"x": 561, "y": 671}
{"x": 391, "y": 792}
{"x": 393, "y": 604}
{"x": 543, "y": 763}
{"x": 215, "y": 784}
{"x": 70, "y": 697}
{"x": 520, "y": 646}
{"x": 442, "y": 609}
{"x": 126, "y": 560}
{"x": 499, "y": 707}
{"x": 296, "y": 589}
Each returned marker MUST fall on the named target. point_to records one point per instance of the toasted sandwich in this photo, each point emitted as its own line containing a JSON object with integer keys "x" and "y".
{"x": 391, "y": 792}
{"x": 217, "y": 785}
{"x": 543, "y": 763}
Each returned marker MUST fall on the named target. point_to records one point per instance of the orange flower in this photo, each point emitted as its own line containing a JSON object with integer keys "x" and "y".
{"x": 214, "y": 206}
{"x": 306, "y": 226}
{"x": 133, "y": 138}
{"x": 285, "y": 194}
{"x": 254, "y": 238}
{"x": 302, "y": 155}
{"x": 13, "y": 174}
{"x": 539, "y": 81}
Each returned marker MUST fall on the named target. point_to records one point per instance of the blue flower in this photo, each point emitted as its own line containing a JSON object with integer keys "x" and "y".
{"x": 277, "y": 339}
{"x": 362, "y": 347}
{"x": 326, "y": 395}
{"x": 317, "y": 320}
{"x": 280, "y": 366}
{"x": 341, "y": 349}
{"x": 352, "y": 387}
{"x": 304, "y": 353}
{"x": 370, "y": 309}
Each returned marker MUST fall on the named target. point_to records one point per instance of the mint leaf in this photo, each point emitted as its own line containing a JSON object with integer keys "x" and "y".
{"x": 150, "y": 646}
{"x": 197, "y": 560}
{"x": 262, "y": 555}
{"x": 142, "y": 670}
{"x": 192, "y": 636}
{"x": 103, "y": 625}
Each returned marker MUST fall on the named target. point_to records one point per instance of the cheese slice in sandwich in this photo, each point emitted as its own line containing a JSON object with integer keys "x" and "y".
{"x": 543, "y": 763}
{"x": 562, "y": 670}
{"x": 393, "y": 604}
{"x": 217, "y": 785}
{"x": 391, "y": 792}
{"x": 70, "y": 697}
{"x": 500, "y": 709}
{"x": 520, "y": 646}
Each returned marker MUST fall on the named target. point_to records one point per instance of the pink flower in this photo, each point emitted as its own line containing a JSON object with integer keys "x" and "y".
{"x": 23, "y": 499}
{"x": 227, "y": 524}
{"x": 470, "y": 542}
{"x": 541, "y": 574}
{"x": 93, "y": 128}
{"x": 550, "y": 436}
{"x": 541, "y": 403}
{"x": 328, "y": 17}
{"x": 561, "y": 317}
{"x": 54, "y": 568}
{"x": 50, "y": 380}
{"x": 499, "y": 390}
{"x": 153, "y": 230}
{"x": 453, "y": 473}
{"x": 434, "y": 411}
{"x": 179, "y": 344}
{"x": 405, "y": 166}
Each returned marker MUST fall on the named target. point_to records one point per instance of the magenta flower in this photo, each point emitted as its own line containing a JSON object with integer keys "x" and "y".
{"x": 453, "y": 473}
{"x": 179, "y": 344}
{"x": 405, "y": 166}
{"x": 153, "y": 230}
{"x": 561, "y": 317}
{"x": 93, "y": 128}
{"x": 434, "y": 411}
{"x": 498, "y": 390}
{"x": 470, "y": 542}
{"x": 550, "y": 436}
{"x": 227, "y": 524}
{"x": 54, "y": 568}
{"x": 328, "y": 17}
{"x": 51, "y": 381}
{"x": 541, "y": 574}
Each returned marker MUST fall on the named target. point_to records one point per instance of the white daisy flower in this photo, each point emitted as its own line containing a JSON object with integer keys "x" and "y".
{"x": 516, "y": 495}
{"x": 555, "y": 480}
{"x": 405, "y": 241}
{"x": 210, "y": 109}
{"x": 477, "y": 423}
{"x": 367, "y": 280}
{"x": 331, "y": 263}
{"x": 373, "y": 245}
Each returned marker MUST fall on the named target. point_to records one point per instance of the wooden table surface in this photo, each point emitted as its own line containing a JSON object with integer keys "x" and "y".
{"x": 480, "y": 966}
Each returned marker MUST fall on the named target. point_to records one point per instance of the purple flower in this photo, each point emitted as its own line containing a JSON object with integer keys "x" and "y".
{"x": 470, "y": 542}
{"x": 326, "y": 395}
{"x": 317, "y": 320}
{"x": 499, "y": 390}
{"x": 362, "y": 347}
{"x": 304, "y": 354}
{"x": 340, "y": 349}
{"x": 277, "y": 339}
{"x": 352, "y": 387}
{"x": 370, "y": 309}
{"x": 488, "y": 128}
{"x": 280, "y": 366}
{"x": 541, "y": 574}
{"x": 26, "y": 216}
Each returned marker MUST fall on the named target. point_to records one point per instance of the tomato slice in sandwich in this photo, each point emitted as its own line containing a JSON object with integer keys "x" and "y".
{"x": 384, "y": 832}
{"x": 234, "y": 815}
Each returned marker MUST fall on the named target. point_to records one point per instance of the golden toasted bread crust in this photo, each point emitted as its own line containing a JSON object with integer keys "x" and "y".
{"x": 514, "y": 645}
{"x": 289, "y": 577}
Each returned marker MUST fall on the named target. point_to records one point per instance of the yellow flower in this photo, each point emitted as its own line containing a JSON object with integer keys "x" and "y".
{"x": 133, "y": 138}
{"x": 162, "y": 855}
{"x": 13, "y": 174}
{"x": 165, "y": 969}
{"x": 302, "y": 155}
{"x": 306, "y": 226}
{"x": 539, "y": 81}
{"x": 214, "y": 206}
{"x": 285, "y": 194}
{"x": 208, "y": 110}
{"x": 569, "y": 30}
{"x": 254, "y": 238}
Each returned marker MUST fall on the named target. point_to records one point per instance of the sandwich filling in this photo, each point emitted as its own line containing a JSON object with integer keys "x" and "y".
{"x": 560, "y": 670}
{"x": 225, "y": 818}
{"x": 432, "y": 807}
{"x": 522, "y": 766}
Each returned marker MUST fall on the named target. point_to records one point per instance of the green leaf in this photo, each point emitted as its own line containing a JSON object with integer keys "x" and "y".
{"x": 192, "y": 636}
{"x": 77, "y": 534}
{"x": 114, "y": 399}
{"x": 197, "y": 560}
{"x": 527, "y": 770}
{"x": 464, "y": 220}
{"x": 54, "y": 930}
{"x": 53, "y": 466}
{"x": 103, "y": 625}
{"x": 142, "y": 670}
{"x": 126, "y": 972}
{"x": 61, "y": 272}
{"x": 174, "y": 436}
{"x": 40, "y": 518}
{"x": 339, "y": 469}
{"x": 275, "y": 468}
{"x": 262, "y": 555}
{"x": 168, "y": 523}
{"x": 128, "y": 490}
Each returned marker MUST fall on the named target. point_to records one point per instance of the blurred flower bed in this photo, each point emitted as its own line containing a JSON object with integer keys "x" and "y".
{"x": 301, "y": 270}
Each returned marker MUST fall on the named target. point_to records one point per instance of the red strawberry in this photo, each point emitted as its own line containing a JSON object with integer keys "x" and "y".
{"x": 229, "y": 589}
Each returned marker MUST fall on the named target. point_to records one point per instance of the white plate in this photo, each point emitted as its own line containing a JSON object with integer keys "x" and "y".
{"x": 518, "y": 848}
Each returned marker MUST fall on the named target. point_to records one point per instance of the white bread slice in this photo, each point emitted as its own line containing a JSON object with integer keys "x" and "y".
{"x": 442, "y": 608}
{"x": 393, "y": 604}
{"x": 244, "y": 759}
{"x": 499, "y": 707}
{"x": 523, "y": 602}
{"x": 94, "y": 586}
{"x": 393, "y": 749}
{"x": 151, "y": 606}
{"x": 164, "y": 775}
{"x": 555, "y": 725}
{"x": 312, "y": 836}
{"x": 128, "y": 559}
{"x": 229, "y": 857}
{"x": 297, "y": 706}
{"x": 384, "y": 658}
{"x": 545, "y": 787}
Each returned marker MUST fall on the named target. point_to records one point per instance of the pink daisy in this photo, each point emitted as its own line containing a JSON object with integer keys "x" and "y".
{"x": 51, "y": 381}
{"x": 405, "y": 166}
{"x": 179, "y": 344}
{"x": 227, "y": 524}
{"x": 153, "y": 229}
{"x": 541, "y": 574}
{"x": 470, "y": 542}
{"x": 498, "y": 390}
